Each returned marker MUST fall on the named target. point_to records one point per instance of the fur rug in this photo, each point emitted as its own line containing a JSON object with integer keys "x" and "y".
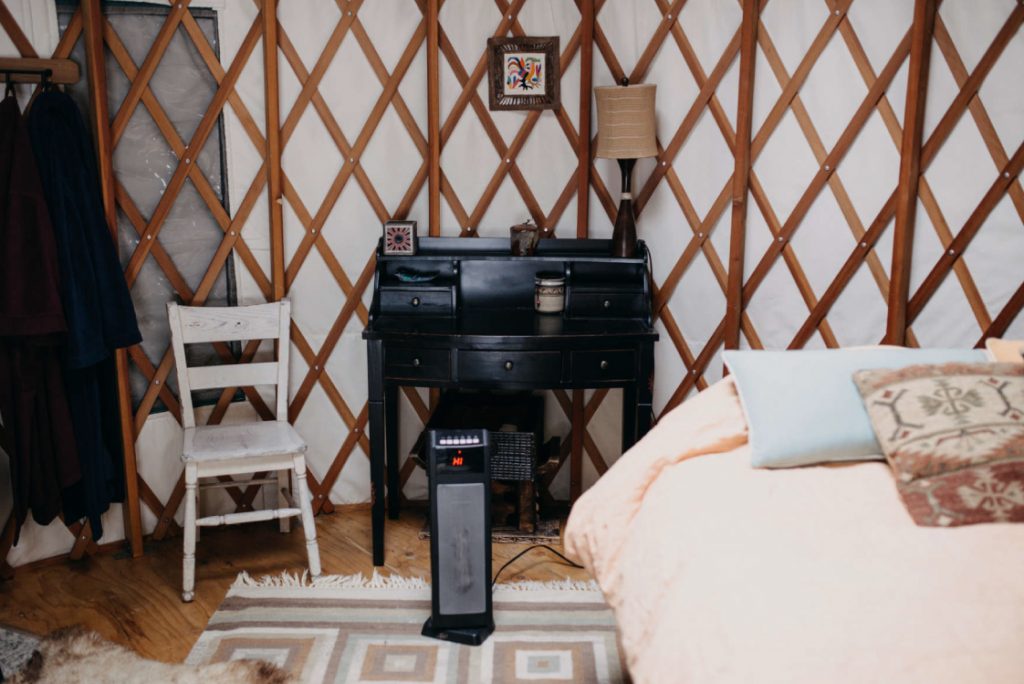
{"x": 74, "y": 654}
{"x": 16, "y": 647}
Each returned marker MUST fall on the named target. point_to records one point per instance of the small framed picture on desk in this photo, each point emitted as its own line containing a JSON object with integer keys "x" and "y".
{"x": 400, "y": 238}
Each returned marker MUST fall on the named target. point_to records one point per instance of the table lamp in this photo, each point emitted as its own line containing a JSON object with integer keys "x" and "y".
{"x": 625, "y": 131}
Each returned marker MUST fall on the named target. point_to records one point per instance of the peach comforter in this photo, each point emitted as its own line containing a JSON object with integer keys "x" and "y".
{"x": 722, "y": 573}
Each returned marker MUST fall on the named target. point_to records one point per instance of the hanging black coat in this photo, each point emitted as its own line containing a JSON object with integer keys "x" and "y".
{"x": 97, "y": 303}
{"x": 37, "y": 430}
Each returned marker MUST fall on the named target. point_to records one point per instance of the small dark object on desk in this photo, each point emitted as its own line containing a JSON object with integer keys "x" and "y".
{"x": 407, "y": 275}
{"x": 524, "y": 238}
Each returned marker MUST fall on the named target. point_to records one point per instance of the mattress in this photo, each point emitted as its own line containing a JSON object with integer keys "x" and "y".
{"x": 719, "y": 572}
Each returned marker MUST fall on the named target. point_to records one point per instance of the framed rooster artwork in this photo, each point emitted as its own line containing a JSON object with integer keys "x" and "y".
{"x": 523, "y": 73}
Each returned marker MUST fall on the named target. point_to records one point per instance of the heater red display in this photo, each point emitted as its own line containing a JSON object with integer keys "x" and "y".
{"x": 463, "y": 459}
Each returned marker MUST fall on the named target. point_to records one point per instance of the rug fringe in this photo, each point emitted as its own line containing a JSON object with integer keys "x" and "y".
{"x": 551, "y": 585}
{"x": 356, "y": 581}
{"x": 379, "y": 581}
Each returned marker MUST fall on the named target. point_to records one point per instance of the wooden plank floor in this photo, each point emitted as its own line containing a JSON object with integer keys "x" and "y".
{"x": 138, "y": 602}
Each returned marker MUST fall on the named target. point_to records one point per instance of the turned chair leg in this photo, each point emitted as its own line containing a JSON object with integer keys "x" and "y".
{"x": 188, "y": 582}
{"x": 308, "y": 525}
{"x": 282, "y": 499}
{"x": 199, "y": 511}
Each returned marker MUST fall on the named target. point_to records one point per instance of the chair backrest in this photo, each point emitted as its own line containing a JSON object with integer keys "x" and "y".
{"x": 192, "y": 324}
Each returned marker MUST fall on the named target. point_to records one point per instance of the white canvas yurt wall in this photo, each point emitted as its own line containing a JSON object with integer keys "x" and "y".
{"x": 830, "y": 83}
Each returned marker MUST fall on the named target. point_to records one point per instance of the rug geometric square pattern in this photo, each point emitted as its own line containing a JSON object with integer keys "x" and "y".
{"x": 349, "y": 629}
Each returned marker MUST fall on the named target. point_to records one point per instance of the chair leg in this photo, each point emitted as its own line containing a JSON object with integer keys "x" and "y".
{"x": 282, "y": 500}
{"x": 308, "y": 525}
{"x": 189, "y": 560}
{"x": 199, "y": 510}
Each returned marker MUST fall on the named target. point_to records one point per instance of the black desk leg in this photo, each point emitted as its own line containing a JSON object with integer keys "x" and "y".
{"x": 375, "y": 372}
{"x": 391, "y": 432}
{"x": 645, "y": 391}
{"x": 629, "y": 415}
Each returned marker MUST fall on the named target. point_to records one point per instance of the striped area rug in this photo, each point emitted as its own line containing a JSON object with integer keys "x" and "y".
{"x": 356, "y": 629}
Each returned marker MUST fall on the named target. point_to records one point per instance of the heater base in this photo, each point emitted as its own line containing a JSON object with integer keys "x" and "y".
{"x": 471, "y": 636}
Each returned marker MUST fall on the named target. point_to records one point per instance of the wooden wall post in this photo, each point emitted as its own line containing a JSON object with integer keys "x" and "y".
{"x": 910, "y": 170}
{"x": 92, "y": 22}
{"x": 433, "y": 117}
{"x": 273, "y": 151}
{"x": 586, "y": 91}
{"x": 741, "y": 173}
{"x": 583, "y": 160}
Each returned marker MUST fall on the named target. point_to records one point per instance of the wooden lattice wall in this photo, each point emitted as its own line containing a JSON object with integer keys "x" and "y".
{"x": 793, "y": 202}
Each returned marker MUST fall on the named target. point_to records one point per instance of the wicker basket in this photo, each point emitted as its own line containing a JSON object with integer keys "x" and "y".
{"x": 515, "y": 456}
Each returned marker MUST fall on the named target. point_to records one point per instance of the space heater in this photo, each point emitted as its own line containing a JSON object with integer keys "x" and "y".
{"x": 458, "y": 469}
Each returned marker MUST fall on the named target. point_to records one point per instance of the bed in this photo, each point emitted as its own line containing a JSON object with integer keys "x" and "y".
{"x": 720, "y": 572}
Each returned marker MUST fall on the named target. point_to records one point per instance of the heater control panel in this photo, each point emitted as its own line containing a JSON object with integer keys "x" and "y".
{"x": 461, "y": 451}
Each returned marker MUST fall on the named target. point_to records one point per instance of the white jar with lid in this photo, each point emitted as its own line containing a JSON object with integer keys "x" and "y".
{"x": 549, "y": 293}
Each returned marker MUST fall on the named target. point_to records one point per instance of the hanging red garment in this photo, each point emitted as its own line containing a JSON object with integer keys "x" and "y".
{"x": 37, "y": 431}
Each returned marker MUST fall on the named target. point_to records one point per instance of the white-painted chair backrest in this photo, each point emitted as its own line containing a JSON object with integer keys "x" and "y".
{"x": 194, "y": 324}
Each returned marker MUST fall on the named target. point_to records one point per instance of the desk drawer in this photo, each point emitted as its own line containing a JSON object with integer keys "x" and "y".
{"x": 410, "y": 363}
{"x": 417, "y": 301}
{"x": 510, "y": 366}
{"x": 596, "y": 304}
{"x": 603, "y": 366}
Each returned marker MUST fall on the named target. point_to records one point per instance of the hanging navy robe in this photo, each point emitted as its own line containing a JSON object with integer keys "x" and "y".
{"x": 97, "y": 304}
{"x": 37, "y": 433}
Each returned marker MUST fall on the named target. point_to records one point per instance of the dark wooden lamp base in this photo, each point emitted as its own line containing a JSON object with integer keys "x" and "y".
{"x": 624, "y": 235}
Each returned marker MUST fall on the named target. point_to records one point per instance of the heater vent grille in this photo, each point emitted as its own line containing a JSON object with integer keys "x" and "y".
{"x": 461, "y": 534}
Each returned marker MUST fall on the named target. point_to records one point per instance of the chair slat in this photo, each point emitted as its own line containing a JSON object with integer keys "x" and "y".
{"x": 232, "y": 375}
{"x": 230, "y": 323}
{"x": 247, "y": 517}
{"x": 217, "y": 484}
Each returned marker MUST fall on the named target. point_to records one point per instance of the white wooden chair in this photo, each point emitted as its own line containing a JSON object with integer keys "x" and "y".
{"x": 264, "y": 446}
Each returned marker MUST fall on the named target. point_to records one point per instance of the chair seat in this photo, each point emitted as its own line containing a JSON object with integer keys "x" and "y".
{"x": 247, "y": 440}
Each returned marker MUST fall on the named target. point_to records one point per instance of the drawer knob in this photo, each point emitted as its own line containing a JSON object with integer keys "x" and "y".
{"x": 508, "y": 365}
{"x": 416, "y": 362}
{"x": 415, "y": 301}
{"x": 607, "y": 304}
{"x": 604, "y": 365}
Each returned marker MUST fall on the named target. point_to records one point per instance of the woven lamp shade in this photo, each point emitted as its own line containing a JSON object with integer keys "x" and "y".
{"x": 625, "y": 121}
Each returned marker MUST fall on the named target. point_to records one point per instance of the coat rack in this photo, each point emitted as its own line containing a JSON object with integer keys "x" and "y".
{"x": 31, "y": 70}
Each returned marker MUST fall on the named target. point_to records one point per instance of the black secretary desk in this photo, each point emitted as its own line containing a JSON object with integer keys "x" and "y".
{"x": 460, "y": 313}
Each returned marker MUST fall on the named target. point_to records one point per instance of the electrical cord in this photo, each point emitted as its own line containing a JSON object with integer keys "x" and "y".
{"x": 522, "y": 553}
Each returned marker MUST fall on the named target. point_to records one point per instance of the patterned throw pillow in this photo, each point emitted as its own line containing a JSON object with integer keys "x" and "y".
{"x": 954, "y": 437}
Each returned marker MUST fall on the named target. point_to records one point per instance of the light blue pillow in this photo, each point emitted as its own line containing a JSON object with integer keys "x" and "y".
{"x": 802, "y": 406}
